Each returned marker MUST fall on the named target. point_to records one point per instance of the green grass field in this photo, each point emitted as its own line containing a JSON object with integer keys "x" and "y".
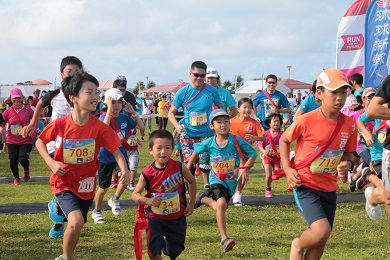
{"x": 260, "y": 232}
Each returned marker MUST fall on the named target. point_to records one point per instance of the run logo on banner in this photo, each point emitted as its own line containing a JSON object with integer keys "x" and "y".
{"x": 377, "y": 31}
{"x": 350, "y": 39}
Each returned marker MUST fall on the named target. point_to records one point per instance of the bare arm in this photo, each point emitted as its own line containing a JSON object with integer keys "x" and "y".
{"x": 232, "y": 111}
{"x": 125, "y": 174}
{"x": 191, "y": 189}
{"x": 298, "y": 113}
{"x": 27, "y": 130}
{"x": 285, "y": 110}
{"x": 377, "y": 110}
{"x": 367, "y": 135}
{"x": 292, "y": 175}
{"x": 57, "y": 168}
{"x": 138, "y": 198}
{"x": 171, "y": 116}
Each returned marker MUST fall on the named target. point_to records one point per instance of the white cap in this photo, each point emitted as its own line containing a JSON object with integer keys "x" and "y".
{"x": 212, "y": 73}
{"x": 114, "y": 93}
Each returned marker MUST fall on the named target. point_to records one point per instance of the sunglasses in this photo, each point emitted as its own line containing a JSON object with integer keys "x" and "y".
{"x": 198, "y": 75}
{"x": 271, "y": 82}
{"x": 122, "y": 90}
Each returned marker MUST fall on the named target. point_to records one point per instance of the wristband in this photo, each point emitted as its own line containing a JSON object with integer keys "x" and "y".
{"x": 352, "y": 165}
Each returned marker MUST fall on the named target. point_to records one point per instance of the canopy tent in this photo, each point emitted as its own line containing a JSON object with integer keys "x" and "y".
{"x": 105, "y": 84}
{"x": 251, "y": 86}
{"x": 27, "y": 88}
{"x": 169, "y": 87}
{"x": 295, "y": 84}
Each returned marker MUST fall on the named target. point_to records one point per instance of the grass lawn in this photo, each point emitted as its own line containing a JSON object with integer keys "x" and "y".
{"x": 260, "y": 232}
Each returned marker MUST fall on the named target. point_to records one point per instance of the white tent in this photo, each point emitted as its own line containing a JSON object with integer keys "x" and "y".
{"x": 251, "y": 86}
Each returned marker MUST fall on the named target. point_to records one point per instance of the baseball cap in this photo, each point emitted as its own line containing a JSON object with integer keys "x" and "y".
{"x": 121, "y": 77}
{"x": 114, "y": 93}
{"x": 16, "y": 93}
{"x": 332, "y": 79}
{"x": 135, "y": 91}
{"x": 212, "y": 73}
{"x": 217, "y": 112}
{"x": 368, "y": 91}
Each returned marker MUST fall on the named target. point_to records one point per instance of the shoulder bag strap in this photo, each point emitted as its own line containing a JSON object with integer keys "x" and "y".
{"x": 189, "y": 101}
{"x": 16, "y": 114}
{"x": 270, "y": 99}
{"x": 115, "y": 126}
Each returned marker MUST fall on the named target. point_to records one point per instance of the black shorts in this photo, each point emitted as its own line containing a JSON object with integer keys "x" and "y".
{"x": 105, "y": 174}
{"x": 67, "y": 202}
{"x": 167, "y": 236}
{"x": 377, "y": 166}
{"x": 219, "y": 191}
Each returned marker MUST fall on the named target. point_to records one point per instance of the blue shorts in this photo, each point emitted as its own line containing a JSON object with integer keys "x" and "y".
{"x": 315, "y": 205}
{"x": 133, "y": 159}
{"x": 173, "y": 230}
{"x": 67, "y": 202}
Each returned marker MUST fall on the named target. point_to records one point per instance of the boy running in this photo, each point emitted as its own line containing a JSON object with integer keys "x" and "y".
{"x": 225, "y": 161}
{"x": 315, "y": 184}
{"x": 78, "y": 138}
{"x": 164, "y": 180}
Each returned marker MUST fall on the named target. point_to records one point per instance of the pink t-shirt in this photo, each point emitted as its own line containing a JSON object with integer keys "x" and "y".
{"x": 16, "y": 123}
{"x": 266, "y": 145}
{"x": 349, "y": 105}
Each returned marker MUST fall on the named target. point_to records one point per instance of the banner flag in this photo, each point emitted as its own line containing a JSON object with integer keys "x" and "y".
{"x": 350, "y": 39}
{"x": 377, "y": 32}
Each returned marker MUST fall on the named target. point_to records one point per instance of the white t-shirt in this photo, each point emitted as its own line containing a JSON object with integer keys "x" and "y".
{"x": 146, "y": 103}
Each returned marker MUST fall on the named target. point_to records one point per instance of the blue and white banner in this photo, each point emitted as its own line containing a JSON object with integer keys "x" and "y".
{"x": 377, "y": 33}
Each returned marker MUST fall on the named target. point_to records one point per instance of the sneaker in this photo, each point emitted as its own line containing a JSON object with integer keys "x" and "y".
{"x": 115, "y": 207}
{"x": 202, "y": 194}
{"x": 352, "y": 185}
{"x": 27, "y": 175}
{"x": 98, "y": 217}
{"x": 228, "y": 244}
{"x": 58, "y": 258}
{"x": 374, "y": 212}
{"x": 114, "y": 184}
{"x": 363, "y": 180}
{"x": 237, "y": 199}
{"x": 57, "y": 230}
{"x": 206, "y": 186}
{"x": 16, "y": 181}
{"x": 131, "y": 186}
{"x": 268, "y": 194}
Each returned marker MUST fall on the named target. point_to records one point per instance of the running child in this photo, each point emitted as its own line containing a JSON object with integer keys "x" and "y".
{"x": 121, "y": 123}
{"x": 164, "y": 181}
{"x": 270, "y": 150}
{"x": 226, "y": 151}
{"x": 326, "y": 139}
{"x": 78, "y": 138}
{"x": 248, "y": 129}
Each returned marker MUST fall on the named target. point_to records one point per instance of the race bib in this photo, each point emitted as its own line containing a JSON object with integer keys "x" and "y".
{"x": 78, "y": 151}
{"x": 16, "y": 129}
{"x": 381, "y": 136}
{"x": 224, "y": 164}
{"x": 170, "y": 203}
{"x": 132, "y": 141}
{"x": 198, "y": 119}
{"x": 86, "y": 185}
{"x": 327, "y": 162}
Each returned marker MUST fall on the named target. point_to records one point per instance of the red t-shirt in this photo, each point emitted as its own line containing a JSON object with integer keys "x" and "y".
{"x": 312, "y": 130}
{"x": 78, "y": 146}
{"x": 247, "y": 126}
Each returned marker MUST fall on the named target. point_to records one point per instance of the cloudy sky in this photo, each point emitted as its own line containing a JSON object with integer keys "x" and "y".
{"x": 160, "y": 39}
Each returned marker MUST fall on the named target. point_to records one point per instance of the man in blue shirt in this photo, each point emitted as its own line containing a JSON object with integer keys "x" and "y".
{"x": 267, "y": 106}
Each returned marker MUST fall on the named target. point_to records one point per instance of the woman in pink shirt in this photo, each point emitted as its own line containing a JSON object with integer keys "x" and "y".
{"x": 19, "y": 148}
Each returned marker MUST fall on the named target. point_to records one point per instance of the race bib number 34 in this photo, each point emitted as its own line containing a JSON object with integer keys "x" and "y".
{"x": 78, "y": 151}
{"x": 170, "y": 203}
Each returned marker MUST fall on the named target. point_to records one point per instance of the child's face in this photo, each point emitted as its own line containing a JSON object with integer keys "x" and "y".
{"x": 161, "y": 151}
{"x": 245, "y": 110}
{"x": 87, "y": 98}
{"x": 117, "y": 107}
{"x": 68, "y": 70}
{"x": 333, "y": 101}
{"x": 367, "y": 100}
{"x": 275, "y": 123}
{"x": 221, "y": 124}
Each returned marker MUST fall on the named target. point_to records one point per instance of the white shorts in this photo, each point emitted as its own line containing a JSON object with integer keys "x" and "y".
{"x": 386, "y": 168}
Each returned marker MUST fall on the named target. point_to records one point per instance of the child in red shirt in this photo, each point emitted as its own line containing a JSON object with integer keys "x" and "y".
{"x": 315, "y": 182}
{"x": 78, "y": 138}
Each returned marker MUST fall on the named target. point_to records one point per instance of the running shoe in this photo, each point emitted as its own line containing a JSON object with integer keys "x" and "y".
{"x": 16, "y": 181}
{"x": 115, "y": 207}
{"x": 58, "y": 258}
{"x": 363, "y": 180}
{"x": 98, "y": 217}
{"x": 237, "y": 199}
{"x": 228, "y": 244}
{"x": 206, "y": 186}
{"x": 202, "y": 194}
{"x": 268, "y": 194}
{"x": 352, "y": 183}
{"x": 27, "y": 175}
{"x": 374, "y": 212}
{"x": 131, "y": 186}
{"x": 57, "y": 230}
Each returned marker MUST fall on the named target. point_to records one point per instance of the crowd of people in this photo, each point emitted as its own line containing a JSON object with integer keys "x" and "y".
{"x": 340, "y": 131}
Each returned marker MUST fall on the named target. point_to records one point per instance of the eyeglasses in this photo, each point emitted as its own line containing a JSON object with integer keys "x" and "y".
{"x": 122, "y": 90}
{"x": 198, "y": 75}
{"x": 271, "y": 82}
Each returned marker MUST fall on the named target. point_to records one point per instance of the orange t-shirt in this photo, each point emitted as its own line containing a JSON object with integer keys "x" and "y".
{"x": 248, "y": 126}
{"x": 312, "y": 130}
{"x": 79, "y": 147}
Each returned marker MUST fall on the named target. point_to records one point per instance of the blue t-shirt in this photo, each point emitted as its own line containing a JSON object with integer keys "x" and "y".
{"x": 226, "y": 98}
{"x": 227, "y": 156}
{"x": 196, "y": 113}
{"x": 139, "y": 109}
{"x": 309, "y": 104}
{"x": 379, "y": 137}
{"x": 358, "y": 92}
{"x": 261, "y": 100}
{"x": 125, "y": 123}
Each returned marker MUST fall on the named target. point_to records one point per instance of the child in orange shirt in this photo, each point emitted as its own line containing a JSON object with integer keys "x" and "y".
{"x": 78, "y": 138}
{"x": 269, "y": 148}
{"x": 248, "y": 129}
{"x": 315, "y": 180}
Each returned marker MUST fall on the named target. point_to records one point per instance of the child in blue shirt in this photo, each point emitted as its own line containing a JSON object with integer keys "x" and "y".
{"x": 225, "y": 163}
